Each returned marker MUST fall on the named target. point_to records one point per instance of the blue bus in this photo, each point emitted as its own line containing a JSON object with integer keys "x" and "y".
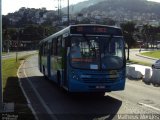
{"x": 85, "y": 58}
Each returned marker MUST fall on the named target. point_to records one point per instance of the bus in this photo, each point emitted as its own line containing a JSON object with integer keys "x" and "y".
{"x": 85, "y": 58}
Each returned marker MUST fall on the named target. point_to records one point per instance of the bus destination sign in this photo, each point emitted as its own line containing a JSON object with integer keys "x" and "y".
{"x": 102, "y": 30}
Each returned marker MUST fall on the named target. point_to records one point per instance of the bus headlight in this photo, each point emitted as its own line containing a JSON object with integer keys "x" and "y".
{"x": 75, "y": 76}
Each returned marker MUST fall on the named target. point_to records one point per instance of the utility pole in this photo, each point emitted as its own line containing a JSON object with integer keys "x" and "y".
{"x": 1, "y": 94}
{"x": 68, "y": 14}
{"x": 17, "y": 44}
{"x": 59, "y": 11}
{"x": 7, "y": 37}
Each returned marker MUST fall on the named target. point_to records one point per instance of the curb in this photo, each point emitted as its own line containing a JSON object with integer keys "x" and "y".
{"x": 24, "y": 93}
{"x": 53, "y": 117}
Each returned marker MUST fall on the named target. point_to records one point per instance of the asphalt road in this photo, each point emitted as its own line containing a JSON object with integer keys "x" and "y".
{"x": 48, "y": 101}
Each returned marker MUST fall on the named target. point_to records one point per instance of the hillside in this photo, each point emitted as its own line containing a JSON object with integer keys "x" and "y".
{"x": 126, "y": 8}
{"x": 90, "y": 11}
{"x": 131, "y": 5}
{"x": 79, "y": 6}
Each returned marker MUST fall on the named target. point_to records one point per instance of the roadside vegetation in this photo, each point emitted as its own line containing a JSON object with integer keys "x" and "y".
{"x": 11, "y": 89}
{"x": 3, "y": 53}
{"x": 138, "y": 62}
{"x": 154, "y": 54}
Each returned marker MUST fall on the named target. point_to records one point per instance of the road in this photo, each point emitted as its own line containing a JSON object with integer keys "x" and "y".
{"x": 49, "y": 102}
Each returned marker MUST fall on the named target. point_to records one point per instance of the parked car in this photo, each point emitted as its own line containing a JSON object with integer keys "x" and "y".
{"x": 156, "y": 65}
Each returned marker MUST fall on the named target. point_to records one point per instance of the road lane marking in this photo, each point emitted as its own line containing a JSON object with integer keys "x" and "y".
{"x": 39, "y": 97}
{"x": 143, "y": 104}
{"x": 24, "y": 93}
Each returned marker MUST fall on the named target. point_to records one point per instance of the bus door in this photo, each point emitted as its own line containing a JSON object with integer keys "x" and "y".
{"x": 40, "y": 57}
{"x": 65, "y": 46}
{"x": 49, "y": 60}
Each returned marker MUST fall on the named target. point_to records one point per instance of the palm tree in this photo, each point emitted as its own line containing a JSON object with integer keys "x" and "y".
{"x": 149, "y": 34}
{"x": 128, "y": 31}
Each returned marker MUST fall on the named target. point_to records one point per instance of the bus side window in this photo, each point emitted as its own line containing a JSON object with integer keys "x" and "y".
{"x": 44, "y": 49}
{"x": 59, "y": 45}
{"x": 63, "y": 42}
{"x": 41, "y": 50}
{"x": 54, "y": 47}
{"x": 49, "y": 49}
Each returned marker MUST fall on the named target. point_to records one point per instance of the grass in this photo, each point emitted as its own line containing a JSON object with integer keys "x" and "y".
{"x": 138, "y": 62}
{"x": 11, "y": 89}
{"x": 3, "y": 53}
{"x": 154, "y": 54}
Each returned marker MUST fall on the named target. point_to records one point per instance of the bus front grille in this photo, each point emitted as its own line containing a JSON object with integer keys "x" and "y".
{"x": 99, "y": 80}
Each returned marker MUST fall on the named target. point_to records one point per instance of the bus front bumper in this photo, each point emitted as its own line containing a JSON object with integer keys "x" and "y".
{"x": 78, "y": 86}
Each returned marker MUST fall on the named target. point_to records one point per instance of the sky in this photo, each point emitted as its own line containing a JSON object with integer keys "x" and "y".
{"x": 10, "y": 6}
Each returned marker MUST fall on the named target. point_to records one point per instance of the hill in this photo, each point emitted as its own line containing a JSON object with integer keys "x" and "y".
{"x": 126, "y": 9}
{"x": 140, "y": 6}
{"x": 81, "y": 5}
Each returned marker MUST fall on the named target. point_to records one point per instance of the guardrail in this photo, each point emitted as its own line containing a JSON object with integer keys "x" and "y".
{"x": 155, "y": 78}
{"x": 149, "y": 75}
{"x": 132, "y": 73}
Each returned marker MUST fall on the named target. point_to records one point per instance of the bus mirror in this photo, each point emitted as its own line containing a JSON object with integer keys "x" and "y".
{"x": 68, "y": 50}
{"x": 68, "y": 43}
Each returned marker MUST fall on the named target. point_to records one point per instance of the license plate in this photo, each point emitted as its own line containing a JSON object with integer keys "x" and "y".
{"x": 100, "y": 87}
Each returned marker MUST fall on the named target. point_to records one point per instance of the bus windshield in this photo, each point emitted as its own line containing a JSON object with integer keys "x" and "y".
{"x": 91, "y": 52}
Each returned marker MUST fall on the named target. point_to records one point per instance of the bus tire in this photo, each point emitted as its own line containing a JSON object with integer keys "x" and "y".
{"x": 44, "y": 71}
{"x": 100, "y": 94}
{"x": 58, "y": 78}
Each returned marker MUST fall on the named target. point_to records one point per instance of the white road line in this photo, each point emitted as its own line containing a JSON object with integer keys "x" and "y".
{"x": 140, "y": 103}
{"x": 39, "y": 97}
{"x": 24, "y": 93}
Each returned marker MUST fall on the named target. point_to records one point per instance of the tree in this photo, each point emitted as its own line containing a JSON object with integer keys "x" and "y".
{"x": 147, "y": 35}
{"x": 5, "y": 22}
{"x": 150, "y": 34}
{"x": 109, "y": 22}
{"x": 6, "y": 42}
{"x": 128, "y": 31}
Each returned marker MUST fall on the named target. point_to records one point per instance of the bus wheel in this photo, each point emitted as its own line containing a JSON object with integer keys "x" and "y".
{"x": 100, "y": 94}
{"x": 58, "y": 78}
{"x": 44, "y": 71}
